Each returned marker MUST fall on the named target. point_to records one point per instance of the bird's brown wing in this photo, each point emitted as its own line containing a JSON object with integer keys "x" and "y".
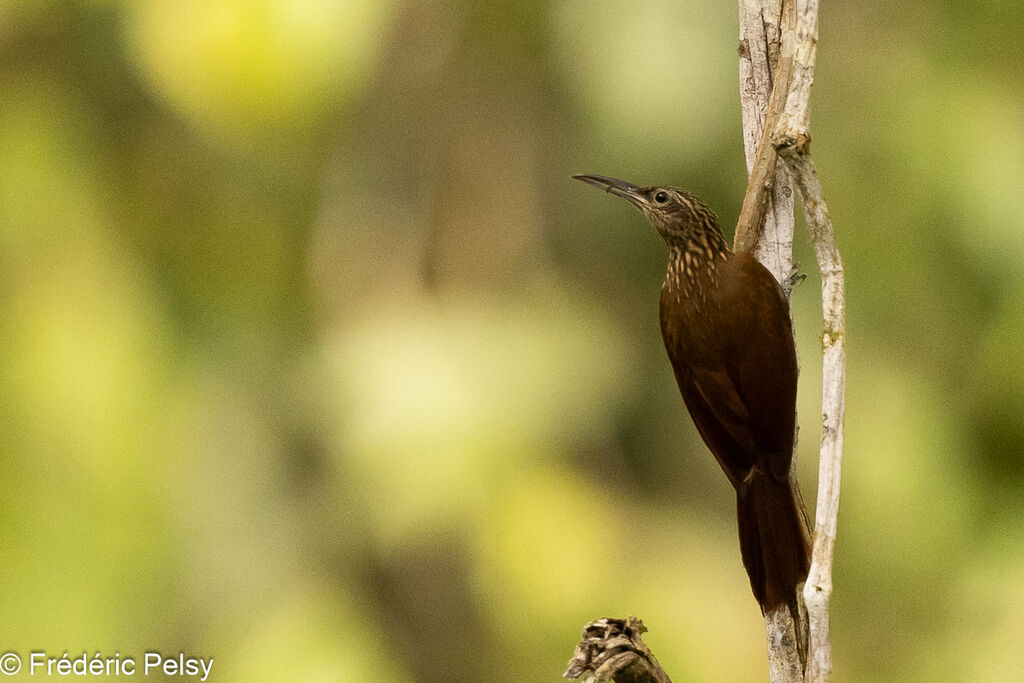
{"x": 739, "y": 385}
{"x": 763, "y": 367}
{"x": 721, "y": 419}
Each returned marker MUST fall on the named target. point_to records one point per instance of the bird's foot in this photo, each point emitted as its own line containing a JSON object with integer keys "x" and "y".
{"x": 794, "y": 278}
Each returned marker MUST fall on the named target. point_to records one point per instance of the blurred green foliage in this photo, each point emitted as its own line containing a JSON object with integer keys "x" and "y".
{"x": 315, "y": 361}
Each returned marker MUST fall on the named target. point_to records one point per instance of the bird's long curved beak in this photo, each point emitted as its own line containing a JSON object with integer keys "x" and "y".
{"x": 621, "y": 188}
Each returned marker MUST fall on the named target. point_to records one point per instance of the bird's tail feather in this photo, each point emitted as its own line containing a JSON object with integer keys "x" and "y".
{"x": 774, "y": 540}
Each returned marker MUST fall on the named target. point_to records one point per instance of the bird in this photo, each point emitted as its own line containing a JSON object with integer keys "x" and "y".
{"x": 726, "y": 326}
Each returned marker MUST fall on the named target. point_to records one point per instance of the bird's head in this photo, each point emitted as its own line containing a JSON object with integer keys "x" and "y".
{"x": 678, "y": 216}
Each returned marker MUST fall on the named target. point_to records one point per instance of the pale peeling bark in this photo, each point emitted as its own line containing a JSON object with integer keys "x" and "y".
{"x": 798, "y": 25}
{"x": 792, "y": 141}
{"x": 769, "y": 193}
{"x": 818, "y": 587}
{"x": 765, "y": 74}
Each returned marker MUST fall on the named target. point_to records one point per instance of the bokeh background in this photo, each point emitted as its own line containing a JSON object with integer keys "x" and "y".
{"x": 314, "y": 360}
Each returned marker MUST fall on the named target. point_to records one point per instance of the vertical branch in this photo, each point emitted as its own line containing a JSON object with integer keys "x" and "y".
{"x": 765, "y": 74}
{"x": 792, "y": 141}
{"x": 818, "y": 587}
{"x": 766, "y": 69}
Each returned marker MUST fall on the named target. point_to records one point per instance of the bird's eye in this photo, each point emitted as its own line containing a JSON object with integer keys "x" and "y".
{"x": 661, "y": 197}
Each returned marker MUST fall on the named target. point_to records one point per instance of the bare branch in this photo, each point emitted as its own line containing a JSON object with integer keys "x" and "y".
{"x": 785, "y": 662}
{"x": 792, "y": 141}
{"x": 800, "y": 46}
{"x": 818, "y": 587}
{"x": 765, "y": 75}
{"x": 764, "y": 81}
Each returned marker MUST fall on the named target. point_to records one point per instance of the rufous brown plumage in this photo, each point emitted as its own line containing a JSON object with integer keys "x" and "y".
{"x": 726, "y": 326}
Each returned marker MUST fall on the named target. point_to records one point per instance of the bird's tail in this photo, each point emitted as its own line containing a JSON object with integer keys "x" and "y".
{"x": 774, "y": 540}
